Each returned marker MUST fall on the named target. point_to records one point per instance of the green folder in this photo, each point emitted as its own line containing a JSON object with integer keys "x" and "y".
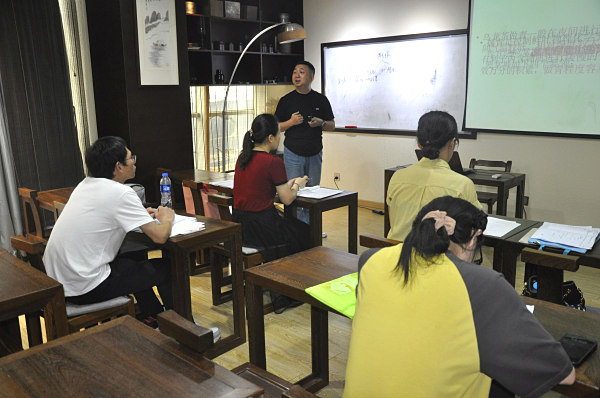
{"x": 339, "y": 294}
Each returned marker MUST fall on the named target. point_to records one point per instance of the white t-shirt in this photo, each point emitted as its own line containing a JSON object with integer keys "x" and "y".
{"x": 89, "y": 232}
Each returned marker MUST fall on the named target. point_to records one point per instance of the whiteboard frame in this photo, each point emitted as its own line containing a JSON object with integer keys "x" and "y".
{"x": 385, "y": 39}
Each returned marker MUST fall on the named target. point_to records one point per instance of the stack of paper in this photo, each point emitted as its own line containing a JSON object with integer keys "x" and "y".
{"x": 339, "y": 294}
{"x": 183, "y": 225}
{"x": 317, "y": 192}
{"x": 223, "y": 184}
{"x": 499, "y": 227}
{"x": 569, "y": 237}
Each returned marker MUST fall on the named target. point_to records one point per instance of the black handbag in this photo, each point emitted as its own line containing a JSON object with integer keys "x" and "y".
{"x": 572, "y": 296}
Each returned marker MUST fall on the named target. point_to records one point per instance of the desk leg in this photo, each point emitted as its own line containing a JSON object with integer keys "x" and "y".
{"x": 353, "y": 226}
{"x": 237, "y": 285}
{"x": 256, "y": 325}
{"x": 180, "y": 282}
{"x": 316, "y": 227}
{"x": 520, "y": 199}
{"x": 550, "y": 284}
{"x": 320, "y": 351}
{"x": 10, "y": 336}
{"x": 505, "y": 261}
{"x": 55, "y": 316}
{"x": 502, "y": 200}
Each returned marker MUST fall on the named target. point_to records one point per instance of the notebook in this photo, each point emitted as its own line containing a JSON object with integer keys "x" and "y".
{"x": 339, "y": 294}
{"x": 455, "y": 163}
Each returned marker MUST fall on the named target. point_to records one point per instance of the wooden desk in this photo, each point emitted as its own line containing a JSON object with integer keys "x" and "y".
{"x": 508, "y": 248}
{"x": 558, "y": 320}
{"x": 316, "y": 207}
{"x": 25, "y": 290}
{"x": 180, "y": 248}
{"x": 480, "y": 177}
{"x": 116, "y": 359}
{"x": 291, "y": 276}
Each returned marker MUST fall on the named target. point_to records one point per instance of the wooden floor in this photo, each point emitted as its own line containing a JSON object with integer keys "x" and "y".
{"x": 288, "y": 334}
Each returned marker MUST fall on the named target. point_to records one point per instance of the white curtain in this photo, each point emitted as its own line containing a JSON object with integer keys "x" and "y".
{"x": 10, "y": 214}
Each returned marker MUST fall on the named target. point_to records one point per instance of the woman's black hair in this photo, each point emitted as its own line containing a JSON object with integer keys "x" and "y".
{"x": 262, "y": 126}
{"x": 423, "y": 240}
{"x": 435, "y": 130}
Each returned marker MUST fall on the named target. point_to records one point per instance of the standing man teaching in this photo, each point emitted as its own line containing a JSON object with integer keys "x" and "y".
{"x": 303, "y": 115}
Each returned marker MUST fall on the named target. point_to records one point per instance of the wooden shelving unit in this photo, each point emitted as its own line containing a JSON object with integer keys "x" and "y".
{"x": 216, "y": 42}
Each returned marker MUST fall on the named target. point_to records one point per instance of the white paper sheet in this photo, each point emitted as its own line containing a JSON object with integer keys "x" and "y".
{"x": 499, "y": 227}
{"x": 224, "y": 184}
{"x": 571, "y": 235}
{"x": 317, "y": 192}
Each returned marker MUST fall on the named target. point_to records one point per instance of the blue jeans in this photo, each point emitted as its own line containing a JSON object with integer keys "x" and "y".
{"x": 299, "y": 166}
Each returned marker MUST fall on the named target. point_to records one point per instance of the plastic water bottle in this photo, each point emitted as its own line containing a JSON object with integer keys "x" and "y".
{"x": 165, "y": 191}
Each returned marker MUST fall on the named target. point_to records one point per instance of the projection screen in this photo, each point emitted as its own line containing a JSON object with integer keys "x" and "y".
{"x": 534, "y": 67}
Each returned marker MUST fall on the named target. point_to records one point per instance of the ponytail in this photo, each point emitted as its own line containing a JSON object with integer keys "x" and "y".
{"x": 247, "y": 150}
{"x": 423, "y": 240}
{"x": 442, "y": 220}
{"x": 262, "y": 126}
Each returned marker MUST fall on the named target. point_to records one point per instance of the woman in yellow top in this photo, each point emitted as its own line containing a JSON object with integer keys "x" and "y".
{"x": 413, "y": 187}
{"x": 429, "y": 323}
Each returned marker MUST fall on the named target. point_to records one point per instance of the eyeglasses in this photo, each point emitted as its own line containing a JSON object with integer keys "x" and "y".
{"x": 132, "y": 157}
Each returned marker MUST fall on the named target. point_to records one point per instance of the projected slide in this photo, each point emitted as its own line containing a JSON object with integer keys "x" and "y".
{"x": 534, "y": 66}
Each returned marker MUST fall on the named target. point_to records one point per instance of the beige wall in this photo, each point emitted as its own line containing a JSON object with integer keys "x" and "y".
{"x": 562, "y": 180}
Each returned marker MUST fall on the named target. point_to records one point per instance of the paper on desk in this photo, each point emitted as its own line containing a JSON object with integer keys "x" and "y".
{"x": 498, "y": 227}
{"x": 530, "y": 307}
{"x": 224, "y": 184}
{"x": 582, "y": 237}
{"x": 317, "y": 192}
{"x": 183, "y": 225}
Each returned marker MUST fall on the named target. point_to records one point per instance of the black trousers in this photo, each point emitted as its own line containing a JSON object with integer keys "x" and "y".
{"x": 133, "y": 273}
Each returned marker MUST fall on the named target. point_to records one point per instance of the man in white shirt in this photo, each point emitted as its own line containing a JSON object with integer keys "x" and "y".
{"x": 83, "y": 249}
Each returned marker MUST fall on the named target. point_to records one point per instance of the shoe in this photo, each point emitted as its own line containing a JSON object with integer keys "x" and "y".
{"x": 324, "y": 234}
{"x": 151, "y": 322}
{"x": 294, "y": 303}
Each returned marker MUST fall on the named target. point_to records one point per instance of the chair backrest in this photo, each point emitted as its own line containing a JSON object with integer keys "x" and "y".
{"x": 191, "y": 196}
{"x": 58, "y": 208}
{"x": 505, "y": 166}
{"x": 223, "y": 202}
{"x": 199, "y": 195}
{"x": 372, "y": 241}
{"x": 31, "y": 212}
{"x": 551, "y": 260}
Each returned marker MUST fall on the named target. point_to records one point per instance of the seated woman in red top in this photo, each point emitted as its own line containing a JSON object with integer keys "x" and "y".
{"x": 259, "y": 175}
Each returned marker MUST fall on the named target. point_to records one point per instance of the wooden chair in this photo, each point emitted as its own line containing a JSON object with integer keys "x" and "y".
{"x": 78, "y": 316}
{"x": 375, "y": 241}
{"x": 200, "y": 340}
{"x": 251, "y": 256}
{"x": 550, "y": 272}
{"x": 490, "y": 198}
{"x": 31, "y": 212}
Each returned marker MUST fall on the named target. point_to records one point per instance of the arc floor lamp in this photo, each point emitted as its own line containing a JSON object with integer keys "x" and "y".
{"x": 292, "y": 32}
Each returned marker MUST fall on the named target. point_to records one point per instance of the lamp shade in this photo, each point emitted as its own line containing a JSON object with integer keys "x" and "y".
{"x": 291, "y": 32}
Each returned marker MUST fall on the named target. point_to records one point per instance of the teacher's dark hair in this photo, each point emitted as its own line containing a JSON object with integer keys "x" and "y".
{"x": 310, "y": 66}
{"x": 103, "y": 155}
{"x": 424, "y": 241}
{"x": 435, "y": 130}
{"x": 262, "y": 126}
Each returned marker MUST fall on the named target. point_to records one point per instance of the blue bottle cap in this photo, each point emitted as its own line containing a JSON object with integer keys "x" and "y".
{"x": 165, "y": 174}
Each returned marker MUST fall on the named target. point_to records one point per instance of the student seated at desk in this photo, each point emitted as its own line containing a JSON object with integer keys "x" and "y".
{"x": 83, "y": 249}
{"x": 415, "y": 186}
{"x": 429, "y": 323}
{"x": 259, "y": 175}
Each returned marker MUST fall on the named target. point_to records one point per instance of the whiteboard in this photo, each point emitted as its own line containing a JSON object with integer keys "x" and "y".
{"x": 388, "y": 83}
